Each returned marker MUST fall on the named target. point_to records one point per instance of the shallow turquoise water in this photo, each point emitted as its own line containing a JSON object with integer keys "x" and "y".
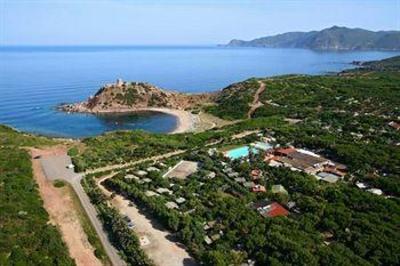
{"x": 240, "y": 152}
{"x": 34, "y": 80}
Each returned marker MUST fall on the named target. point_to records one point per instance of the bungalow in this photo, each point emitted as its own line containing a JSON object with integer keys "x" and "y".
{"x": 180, "y": 200}
{"x": 152, "y": 169}
{"x": 208, "y": 240}
{"x": 258, "y": 188}
{"x": 215, "y": 237}
{"x": 270, "y": 209}
{"x": 171, "y": 205}
{"x": 212, "y": 151}
{"x": 209, "y": 225}
{"x": 250, "y": 184}
{"x": 255, "y": 174}
{"x": 278, "y": 189}
{"x": 395, "y": 125}
{"x": 141, "y": 173}
{"x": 335, "y": 169}
{"x": 291, "y": 205}
{"x": 375, "y": 191}
{"x": 328, "y": 177}
{"x": 284, "y": 151}
{"x": 162, "y": 190}
{"x": 211, "y": 175}
{"x": 150, "y": 193}
{"x": 228, "y": 170}
{"x": 361, "y": 185}
{"x": 233, "y": 174}
{"x": 275, "y": 163}
{"x": 144, "y": 180}
{"x": 127, "y": 177}
{"x": 264, "y": 146}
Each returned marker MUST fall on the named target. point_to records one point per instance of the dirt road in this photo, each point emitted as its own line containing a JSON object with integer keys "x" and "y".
{"x": 59, "y": 203}
{"x": 256, "y": 101}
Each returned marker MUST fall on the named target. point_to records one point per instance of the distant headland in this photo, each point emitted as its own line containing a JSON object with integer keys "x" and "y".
{"x": 334, "y": 38}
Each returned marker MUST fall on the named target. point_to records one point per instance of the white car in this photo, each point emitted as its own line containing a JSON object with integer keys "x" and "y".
{"x": 70, "y": 166}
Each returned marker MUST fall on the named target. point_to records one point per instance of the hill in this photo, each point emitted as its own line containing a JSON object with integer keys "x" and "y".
{"x": 389, "y": 64}
{"x": 131, "y": 96}
{"x": 293, "y": 95}
{"x": 28, "y": 235}
{"x": 334, "y": 38}
{"x": 345, "y": 117}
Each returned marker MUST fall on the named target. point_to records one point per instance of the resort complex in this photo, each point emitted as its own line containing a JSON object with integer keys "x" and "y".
{"x": 140, "y": 133}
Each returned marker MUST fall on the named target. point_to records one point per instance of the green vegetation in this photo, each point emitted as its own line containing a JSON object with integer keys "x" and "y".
{"x": 392, "y": 64}
{"x": 343, "y": 117}
{"x": 26, "y": 237}
{"x": 88, "y": 228}
{"x": 334, "y": 38}
{"x": 120, "y": 235}
{"x": 234, "y": 102}
{"x": 59, "y": 183}
{"x": 125, "y": 146}
{"x": 352, "y": 217}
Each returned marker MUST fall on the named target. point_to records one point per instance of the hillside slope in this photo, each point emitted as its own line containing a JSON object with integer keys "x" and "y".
{"x": 27, "y": 236}
{"x": 334, "y": 38}
{"x": 131, "y": 96}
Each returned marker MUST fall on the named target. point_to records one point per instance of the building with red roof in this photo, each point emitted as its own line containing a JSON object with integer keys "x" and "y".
{"x": 284, "y": 151}
{"x": 275, "y": 209}
{"x": 270, "y": 209}
{"x": 256, "y": 174}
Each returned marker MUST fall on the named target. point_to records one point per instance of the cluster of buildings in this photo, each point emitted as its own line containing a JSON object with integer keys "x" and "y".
{"x": 140, "y": 176}
{"x": 293, "y": 158}
{"x": 214, "y": 231}
{"x": 306, "y": 161}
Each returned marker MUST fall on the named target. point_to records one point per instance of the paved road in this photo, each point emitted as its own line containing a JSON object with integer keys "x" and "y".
{"x": 117, "y": 166}
{"x": 54, "y": 168}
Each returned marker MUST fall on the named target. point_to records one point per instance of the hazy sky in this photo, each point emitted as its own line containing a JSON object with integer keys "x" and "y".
{"x": 136, "y": 22}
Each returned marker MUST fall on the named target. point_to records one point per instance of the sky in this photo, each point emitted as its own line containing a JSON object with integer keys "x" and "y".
{"x": 179, "y": 22}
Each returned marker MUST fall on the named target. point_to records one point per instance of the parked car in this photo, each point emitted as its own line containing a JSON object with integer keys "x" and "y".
{"x": 131, "y": 225}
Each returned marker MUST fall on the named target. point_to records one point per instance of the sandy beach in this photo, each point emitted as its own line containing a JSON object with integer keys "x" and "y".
{"x": 186, "y": 121}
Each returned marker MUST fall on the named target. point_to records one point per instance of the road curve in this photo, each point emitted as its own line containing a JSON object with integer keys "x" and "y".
{"x": 54, "y": 167}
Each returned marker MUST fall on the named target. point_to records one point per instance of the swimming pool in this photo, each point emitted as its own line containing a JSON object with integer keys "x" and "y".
{"x": 240, "y": 152}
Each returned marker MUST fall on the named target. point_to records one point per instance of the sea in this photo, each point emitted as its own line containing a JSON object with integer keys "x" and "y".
{"x": 34, "y": 80}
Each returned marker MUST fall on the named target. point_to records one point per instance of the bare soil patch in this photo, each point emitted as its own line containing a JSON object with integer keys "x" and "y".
{"x": 158, "y": 242}
{"x": 59, "y": 204}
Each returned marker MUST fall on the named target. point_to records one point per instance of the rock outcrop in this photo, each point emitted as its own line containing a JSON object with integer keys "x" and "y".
{"x": 130, "y": 96}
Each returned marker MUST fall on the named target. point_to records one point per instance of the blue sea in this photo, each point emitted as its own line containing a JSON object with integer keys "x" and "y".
{"x": 34, "y": 80}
